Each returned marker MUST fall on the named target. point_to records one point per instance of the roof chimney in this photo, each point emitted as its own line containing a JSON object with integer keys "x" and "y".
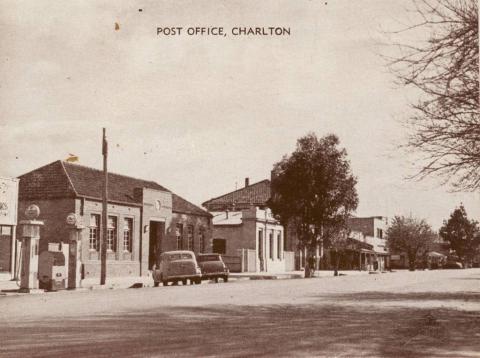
{"x": 247, "y": 182}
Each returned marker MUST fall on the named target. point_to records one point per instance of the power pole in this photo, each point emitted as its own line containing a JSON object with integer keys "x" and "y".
{"x": 103, "y": 237}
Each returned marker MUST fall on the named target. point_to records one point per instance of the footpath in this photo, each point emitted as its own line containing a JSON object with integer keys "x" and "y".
{"x": 9, "y": 287}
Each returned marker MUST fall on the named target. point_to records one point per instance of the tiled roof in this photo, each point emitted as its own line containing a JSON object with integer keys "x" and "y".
{"x": 180, "y": 205}
{"x": 62, "y": 179}
{"x": 256, "y": 194}
{"x": 89, "y": 182}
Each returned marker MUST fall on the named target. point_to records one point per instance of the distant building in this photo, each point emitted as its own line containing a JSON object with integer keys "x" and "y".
{"x": 371, "y": 230}
{"x": 144, "y": 218}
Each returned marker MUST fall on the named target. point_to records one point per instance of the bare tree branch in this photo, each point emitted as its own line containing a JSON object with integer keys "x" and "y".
{"x": 445, "y": 126}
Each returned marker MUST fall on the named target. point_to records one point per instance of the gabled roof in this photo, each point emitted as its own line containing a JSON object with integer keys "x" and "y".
{"x": 256, "y": 194}
{"x": 64, "y": 180}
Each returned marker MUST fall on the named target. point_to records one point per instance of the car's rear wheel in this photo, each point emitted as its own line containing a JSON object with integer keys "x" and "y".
{"x": 155, "y": 283}
{"x": 197, "y": 281}
{"x": 216, "y": 279}
{"x": 165, "y": 283}
{"x": 225, "y": 278}
{"x": 184, "y": 282}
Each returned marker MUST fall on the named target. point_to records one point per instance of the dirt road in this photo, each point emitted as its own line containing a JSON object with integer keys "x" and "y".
{"x": 401, "y": 314}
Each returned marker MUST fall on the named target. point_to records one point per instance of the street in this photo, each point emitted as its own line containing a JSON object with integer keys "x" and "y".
{"x": 397, "y": 314}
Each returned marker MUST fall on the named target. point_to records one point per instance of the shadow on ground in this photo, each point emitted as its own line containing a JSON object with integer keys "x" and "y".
{"x": 239, "y": 331}
{"x": 415, "y": 296}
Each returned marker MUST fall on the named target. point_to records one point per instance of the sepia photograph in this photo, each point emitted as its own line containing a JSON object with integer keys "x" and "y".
{"x": 239, "y": 178}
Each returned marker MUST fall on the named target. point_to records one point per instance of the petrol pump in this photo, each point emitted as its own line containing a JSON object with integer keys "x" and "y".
{"x": 75, "y": 251}
{"x": 30, "y": 245}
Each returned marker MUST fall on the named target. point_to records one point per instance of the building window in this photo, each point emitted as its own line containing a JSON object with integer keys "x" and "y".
{"x": 127, "y": 234}
{"x": 279, "y": 246}
{"x": 271, "y": 245}
{"x": 94, "y": 236}
{"x": 112, "y": 233}
{"x": 179, "y": 235}
{"x": 219, "y": 246}
{"x": 260, "y": 244}
{"x": 380, "y": 233}
{"x": 201, "y": 237}
{"x": 190, "y": 238}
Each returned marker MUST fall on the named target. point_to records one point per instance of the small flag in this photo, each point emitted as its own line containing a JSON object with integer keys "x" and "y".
{"x": 72, "y": 158}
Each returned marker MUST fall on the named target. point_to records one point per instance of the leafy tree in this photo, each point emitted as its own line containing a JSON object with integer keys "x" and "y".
{"x": 313, "y": 189}
{"x": 410, "y": 236}
{"x": 462, "y": 233}
{"x": 445, "y": 126}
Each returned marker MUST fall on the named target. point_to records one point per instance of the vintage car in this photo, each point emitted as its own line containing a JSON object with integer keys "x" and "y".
{"x": 176, "y": 266}
{"x": 212, "y": 267}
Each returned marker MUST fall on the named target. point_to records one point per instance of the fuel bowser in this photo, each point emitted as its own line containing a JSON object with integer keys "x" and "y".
{"x": 30, "y": 241}
{"x": 75, "y": 272}
{"x": 52, "y": 270}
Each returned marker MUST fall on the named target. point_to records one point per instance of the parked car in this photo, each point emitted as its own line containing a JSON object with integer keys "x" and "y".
{"x": 452, "y": 265}
{"x": 212, "y": 267}
{"x": 176, "y": 266}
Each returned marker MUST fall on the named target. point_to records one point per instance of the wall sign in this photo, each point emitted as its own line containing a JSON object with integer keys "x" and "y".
{"x": 8, "y": 201}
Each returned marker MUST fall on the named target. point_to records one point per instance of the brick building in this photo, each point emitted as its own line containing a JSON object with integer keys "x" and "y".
{"x": 143, "y": 217}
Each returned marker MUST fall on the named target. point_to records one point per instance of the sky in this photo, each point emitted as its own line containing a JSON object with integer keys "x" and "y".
{"x": 198, "y": 114}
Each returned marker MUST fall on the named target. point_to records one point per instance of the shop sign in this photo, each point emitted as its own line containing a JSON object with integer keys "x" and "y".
{"x": 8, "y": 201}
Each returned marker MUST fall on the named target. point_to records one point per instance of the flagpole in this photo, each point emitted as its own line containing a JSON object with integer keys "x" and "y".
{"x": 103, "y": 236}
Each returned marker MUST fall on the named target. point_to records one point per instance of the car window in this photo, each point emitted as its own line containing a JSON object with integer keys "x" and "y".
{"x": 208, "y": 258}
{"x": 182, "y": 256}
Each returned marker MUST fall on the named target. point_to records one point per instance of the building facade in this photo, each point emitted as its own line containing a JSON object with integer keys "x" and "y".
{"x": 144, "y": 218}
{"x": 244, "y": 226}
{"x": 250, "y": 230}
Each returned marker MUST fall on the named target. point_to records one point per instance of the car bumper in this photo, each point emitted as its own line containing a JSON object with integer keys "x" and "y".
{"x": 214, "y": 274}
{"x": 181, "y": 277}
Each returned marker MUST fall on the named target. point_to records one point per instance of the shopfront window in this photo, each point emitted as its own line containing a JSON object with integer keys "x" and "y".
{"x": 190, "y": 237}
{"x": 94, "y": 232}
{"x": 201, "y": 237}
{"x": 179, "y": 235}
{"x": 112, "y": 233}
{"x": 279, "y": 246}
{"x": 127, "y": 234}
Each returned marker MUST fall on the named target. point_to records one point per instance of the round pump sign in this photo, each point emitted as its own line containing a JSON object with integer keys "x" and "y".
{"x": 32, "y": 212}
{"x": 71, "y": 219}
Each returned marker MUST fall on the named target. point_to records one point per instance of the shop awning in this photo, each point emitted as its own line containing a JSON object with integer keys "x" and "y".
{"x": 435, "y": 254}
{"x": 357, "y": 245}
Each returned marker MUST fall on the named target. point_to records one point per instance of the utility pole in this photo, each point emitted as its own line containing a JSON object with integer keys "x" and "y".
{"x": 103, "y": 237}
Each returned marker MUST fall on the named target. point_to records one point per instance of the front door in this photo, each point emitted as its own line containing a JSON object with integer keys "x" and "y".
{"x": 157, "y": 230}
{"x": 5, "y": 248}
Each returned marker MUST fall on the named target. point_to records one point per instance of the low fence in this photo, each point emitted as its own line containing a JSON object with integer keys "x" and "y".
{"x": 289, "y": 257}
{"x": 246, "y": 261}
{"x": 233, "y": 263}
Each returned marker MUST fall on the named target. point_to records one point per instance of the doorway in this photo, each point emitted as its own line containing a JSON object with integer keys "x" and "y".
{"x": 5, "y": 248}
{"x": 157, "y": 231}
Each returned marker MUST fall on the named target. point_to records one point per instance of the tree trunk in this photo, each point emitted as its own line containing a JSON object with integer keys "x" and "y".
{"x": 336, "y": 263}
{"x": 411, "y": 262}
{"x": 308, "y": 269}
